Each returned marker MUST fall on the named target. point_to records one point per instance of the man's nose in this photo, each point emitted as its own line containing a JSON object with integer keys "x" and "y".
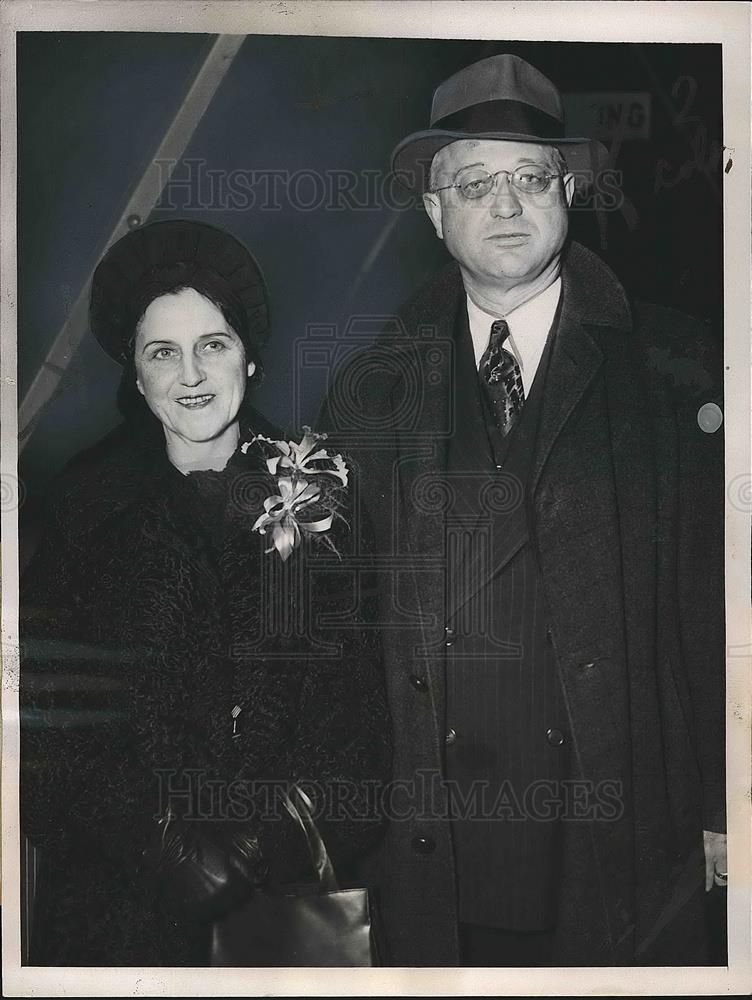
{"x": 505, "y": 204}
{"x": 192, "y": 373}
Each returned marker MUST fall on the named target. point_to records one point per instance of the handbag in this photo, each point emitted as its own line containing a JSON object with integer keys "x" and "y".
{"x": 319, "y": 924}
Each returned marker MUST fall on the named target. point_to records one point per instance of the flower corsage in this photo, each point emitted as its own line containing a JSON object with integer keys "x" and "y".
{"x": 309, "y": 486}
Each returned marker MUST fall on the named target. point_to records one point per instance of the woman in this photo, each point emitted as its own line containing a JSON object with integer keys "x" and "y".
{"x": 172, "y": 666}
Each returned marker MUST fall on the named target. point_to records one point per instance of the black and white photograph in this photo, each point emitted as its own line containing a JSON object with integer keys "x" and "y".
{"x": 375, "y": 498}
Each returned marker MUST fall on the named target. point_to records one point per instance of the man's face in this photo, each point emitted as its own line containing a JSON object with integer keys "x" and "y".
{"x": 506, "y": 236}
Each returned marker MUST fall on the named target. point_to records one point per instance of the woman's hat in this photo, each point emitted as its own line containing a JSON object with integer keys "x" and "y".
{"x": 161, "y": 257}
{"x": 502, "y": 97}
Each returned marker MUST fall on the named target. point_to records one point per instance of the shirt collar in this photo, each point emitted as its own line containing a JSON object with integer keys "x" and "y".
{"x": 529, "y": 325}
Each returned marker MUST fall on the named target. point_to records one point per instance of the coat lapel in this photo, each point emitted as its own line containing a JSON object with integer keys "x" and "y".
{"x": 469, "y": 475}
{"x": 427, "y": 366}
{"x": 572, "y": 483}
{"x": 592, "y": 300}
{"x": 578, "y": 512}
{"x": 470, "y": 448}
{"x": 574, "y": 364}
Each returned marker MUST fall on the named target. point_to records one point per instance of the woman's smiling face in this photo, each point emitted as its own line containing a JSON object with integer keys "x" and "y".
{"x": 190, "y": 366}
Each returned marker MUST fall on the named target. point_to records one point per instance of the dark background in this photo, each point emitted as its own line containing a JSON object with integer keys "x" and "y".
{"x": 93, "y": 107}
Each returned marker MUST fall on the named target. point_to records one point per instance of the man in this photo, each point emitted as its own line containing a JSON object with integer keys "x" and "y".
{"x": 549, "y": 510}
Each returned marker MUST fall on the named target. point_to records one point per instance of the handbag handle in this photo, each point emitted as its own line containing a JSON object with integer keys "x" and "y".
{"x": 300, "y": 811}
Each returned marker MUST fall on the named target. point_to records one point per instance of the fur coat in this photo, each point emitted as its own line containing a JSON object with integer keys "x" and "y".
{"x": 150, "y": 614}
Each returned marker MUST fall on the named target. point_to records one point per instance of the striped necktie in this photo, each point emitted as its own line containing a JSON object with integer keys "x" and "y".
{"x": 502, "y": 379}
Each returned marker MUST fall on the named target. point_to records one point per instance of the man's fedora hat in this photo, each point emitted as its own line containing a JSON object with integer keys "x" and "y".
{"x": 502, "y": 97}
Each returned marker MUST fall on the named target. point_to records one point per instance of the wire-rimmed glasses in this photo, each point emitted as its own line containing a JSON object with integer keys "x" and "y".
{"x": 475, "y": 182}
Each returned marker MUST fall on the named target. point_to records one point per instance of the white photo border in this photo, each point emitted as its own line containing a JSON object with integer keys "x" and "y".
{"x": 724, "y": 23}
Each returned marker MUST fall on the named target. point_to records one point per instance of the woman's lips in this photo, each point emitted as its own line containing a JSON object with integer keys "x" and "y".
{"x": 195, "y": 402}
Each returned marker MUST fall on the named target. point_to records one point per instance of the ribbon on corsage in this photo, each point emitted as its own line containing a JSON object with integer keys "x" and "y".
{"x": 306, "y": 501}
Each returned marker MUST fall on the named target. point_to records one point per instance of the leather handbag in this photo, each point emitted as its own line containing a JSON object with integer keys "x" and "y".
{"x": 313, "y": 925}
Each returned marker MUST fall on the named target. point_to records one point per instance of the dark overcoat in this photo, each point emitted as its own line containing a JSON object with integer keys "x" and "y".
{"x": 626, "y": 512}
{"x": 149, "y": 612}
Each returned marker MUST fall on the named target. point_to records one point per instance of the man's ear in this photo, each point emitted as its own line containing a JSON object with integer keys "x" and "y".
{"x": 569, "y": 185}
{"x": 432, "y": 205}
{"x": 140, "y": 387}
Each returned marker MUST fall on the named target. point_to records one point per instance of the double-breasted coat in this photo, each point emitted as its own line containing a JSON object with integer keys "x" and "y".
{"x": 626, "y": 516}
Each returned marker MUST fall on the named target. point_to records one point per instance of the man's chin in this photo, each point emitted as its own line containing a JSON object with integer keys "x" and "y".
{"x": 510, "y": 272}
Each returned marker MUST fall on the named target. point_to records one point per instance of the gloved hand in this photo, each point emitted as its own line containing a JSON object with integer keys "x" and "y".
{"x": 200, "y": 872}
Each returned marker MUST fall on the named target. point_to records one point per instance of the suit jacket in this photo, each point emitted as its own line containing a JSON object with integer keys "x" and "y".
{"x": 508, "y": 744}
{"x": 626, "y": 496}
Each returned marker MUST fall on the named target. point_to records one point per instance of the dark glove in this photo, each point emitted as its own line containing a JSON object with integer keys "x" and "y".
{"x": 201, "y": 873}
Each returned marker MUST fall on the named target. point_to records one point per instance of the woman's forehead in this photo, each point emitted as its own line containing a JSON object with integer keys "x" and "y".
{"x": 184, "y": 313}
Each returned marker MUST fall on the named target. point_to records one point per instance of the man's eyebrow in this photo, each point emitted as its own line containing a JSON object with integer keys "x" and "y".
{"x": 534, "y": 160}
{"x": 520, "y": 162}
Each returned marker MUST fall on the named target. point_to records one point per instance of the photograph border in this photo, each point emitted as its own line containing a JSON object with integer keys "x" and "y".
{"x": 725, "y": 23}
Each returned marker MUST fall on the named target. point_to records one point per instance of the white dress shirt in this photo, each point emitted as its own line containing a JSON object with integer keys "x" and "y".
{"x": 529, "y": 325}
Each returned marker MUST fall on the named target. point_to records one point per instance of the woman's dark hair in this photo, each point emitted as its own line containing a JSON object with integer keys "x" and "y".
{"x": 131, "y": 403}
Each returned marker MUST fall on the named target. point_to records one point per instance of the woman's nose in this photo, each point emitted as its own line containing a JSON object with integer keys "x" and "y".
{"x": 192, "y": 373}
{"x": 506, "y": 203}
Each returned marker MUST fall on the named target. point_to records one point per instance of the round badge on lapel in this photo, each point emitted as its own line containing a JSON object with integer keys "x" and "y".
{"x": 709, "y": 417}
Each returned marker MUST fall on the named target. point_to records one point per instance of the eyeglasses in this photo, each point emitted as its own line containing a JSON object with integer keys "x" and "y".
{"x": 476, "y": 183}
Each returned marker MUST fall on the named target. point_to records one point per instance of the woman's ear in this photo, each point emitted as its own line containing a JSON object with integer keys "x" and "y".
{"x": 140, "y": 387}
{"x": 251, "y": 368}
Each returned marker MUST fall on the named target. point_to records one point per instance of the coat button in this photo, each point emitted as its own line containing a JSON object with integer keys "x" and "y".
{"x": 450, "y": 635}
{"x": 419, "y": 683}
{"x": 549, "y": 637}
{"x": 450, "y": 738}
{"x": 555, "y": 737}
{"x": 423, "y": 845}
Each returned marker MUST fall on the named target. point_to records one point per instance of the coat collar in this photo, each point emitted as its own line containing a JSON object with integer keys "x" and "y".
{"x": 590, "y": 289}
{"x": 128, "y": 475}
{"x": 594, "y": 311}
{"x": 594, "y": 308}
